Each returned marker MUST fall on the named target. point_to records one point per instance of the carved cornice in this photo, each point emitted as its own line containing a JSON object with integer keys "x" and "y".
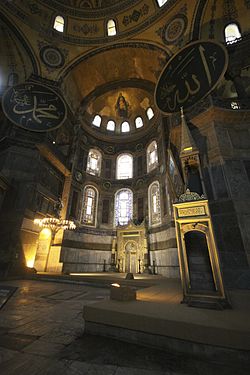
{"x": 190, "y": 196}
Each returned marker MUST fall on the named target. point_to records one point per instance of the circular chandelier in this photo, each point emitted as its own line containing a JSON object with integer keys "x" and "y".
{"x": 55, "y": 224}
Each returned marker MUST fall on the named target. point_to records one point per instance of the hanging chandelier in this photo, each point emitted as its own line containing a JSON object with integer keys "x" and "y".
{"x": 55, "y": 224}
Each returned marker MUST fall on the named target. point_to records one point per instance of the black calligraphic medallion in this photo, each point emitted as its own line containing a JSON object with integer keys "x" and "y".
{"x": 190, "y": 75}
{"x": 34, "y": 107}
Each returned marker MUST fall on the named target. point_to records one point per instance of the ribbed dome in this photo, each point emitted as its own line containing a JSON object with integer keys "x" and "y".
{"x": 96, "y": 6}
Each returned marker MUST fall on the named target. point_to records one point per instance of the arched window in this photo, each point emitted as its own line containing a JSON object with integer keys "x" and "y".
{"x": 138, "y": 122}
{"x": 94, "y": 162}
{"x": 154, "y": 203}
{"x": 111, "y": 28}
{"x": 152, "y": 156}
{"x": 89, "y": 207}
{"x": 124, "y": 167}
{"x": 232, "y": 33}
{"x": 161, "y": 2}
{"x": 123, "y": 207}
{"x": 111, "y": 125}
{"x": 150, "y": 113}
{"x": 125, "y": 127}
{"x": 59, "y": 24}
{"x": 97, "y": 121}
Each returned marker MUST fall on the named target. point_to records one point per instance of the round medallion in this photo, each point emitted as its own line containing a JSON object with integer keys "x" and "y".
{"x": 110, "y": 149}
{"x": 106, "y": 185}
{"x": 139, "y": 147}
{"x": 190, "y": 75}
{"x": 139, "y": 183}
{"x": 52, "y": 57}
{"x": 34, "y": 106}
{"x": 78, "y": 176}
{"x": 174, "y": 29}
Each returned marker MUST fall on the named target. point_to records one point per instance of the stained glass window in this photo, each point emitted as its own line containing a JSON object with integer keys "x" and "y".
{"x": 232, "y": 33}
{"x": 154, "y": 203}
{"x": 89, "y": 206}
{"x": 152, "y": 156}
{"x": 111, "y": 28}
{"x": 94, "y": 162}
{"x": 124, "y": 167}
{"x": 59, "y": 24}
{"x": 123, "y": 207}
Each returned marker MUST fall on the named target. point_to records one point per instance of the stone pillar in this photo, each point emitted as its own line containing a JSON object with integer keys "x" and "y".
{"x": 54, "y": 264}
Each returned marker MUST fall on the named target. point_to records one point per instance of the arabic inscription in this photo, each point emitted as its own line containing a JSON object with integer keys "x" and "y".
{"x": 190, "y": 75}
{"x": 34, "y": 107}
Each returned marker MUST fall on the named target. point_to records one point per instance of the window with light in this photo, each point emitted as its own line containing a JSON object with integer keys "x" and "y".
{"x": 154, "y": 203}
{"x": 111, "y": 125}
{"x": 138, "y": 122}
{"x": 94, "y": 162}
{"x": 152, "y": 156}
{"x": 89, "y": 206}
{"x": 125, "y": 127}
{"x": 123, "y": 207}
{"x": 124, "y": 167}
{"x": 161, "y": 2}
{"x": 232, "y": 33}
{"x": 150, "y": 113}
{"x": 59, "y": 24}
{"x": 97, "y": 121}
{"x": 111, "y": 28}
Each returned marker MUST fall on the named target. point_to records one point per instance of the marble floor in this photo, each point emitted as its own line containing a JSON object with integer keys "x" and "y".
{"x": 42, "y": 333}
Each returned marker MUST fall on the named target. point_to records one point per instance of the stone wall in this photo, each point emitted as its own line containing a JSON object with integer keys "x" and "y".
{"x": 224, "y": 144}
{"x": 83, "y": 251}
{"x": 163, "y": 251}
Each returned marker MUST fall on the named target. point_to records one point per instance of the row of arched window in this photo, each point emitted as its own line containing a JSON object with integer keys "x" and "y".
{"x": 111, "y": 26}
{"x": 125, "y": 126}
{"x": 231, "y": 33}
{"x": 124, "y": 162}
{"x": 123, "y": 205}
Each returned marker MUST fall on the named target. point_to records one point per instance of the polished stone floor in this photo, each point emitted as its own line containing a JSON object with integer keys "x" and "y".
{"x": 42, "y": 332}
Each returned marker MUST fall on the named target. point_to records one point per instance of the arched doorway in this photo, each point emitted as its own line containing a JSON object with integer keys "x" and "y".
{"x": 199, "y": 264}
{"x": 131, "y": 250}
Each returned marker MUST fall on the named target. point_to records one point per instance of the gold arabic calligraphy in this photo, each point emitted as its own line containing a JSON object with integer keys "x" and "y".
{"x": 192, "y": 85}
{"x": 38, "y": 110}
